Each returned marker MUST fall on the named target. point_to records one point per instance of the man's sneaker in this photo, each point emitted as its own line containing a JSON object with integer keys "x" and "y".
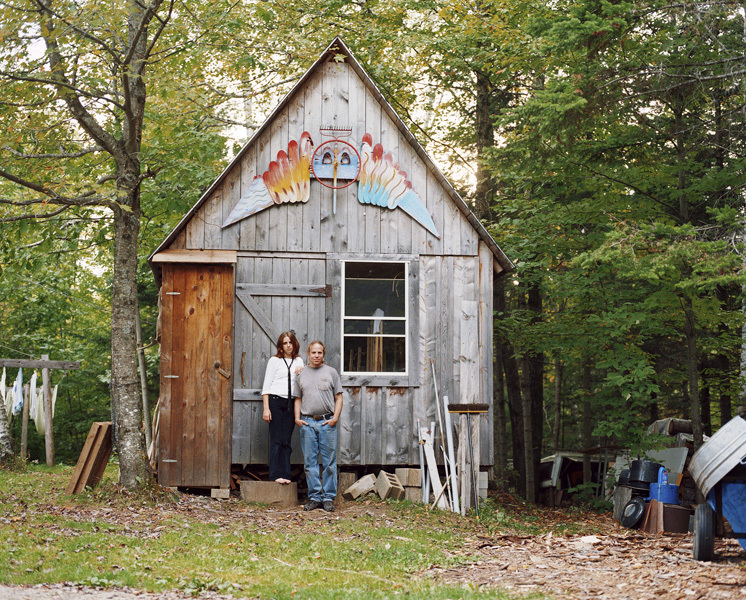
{"x": 312, "y": 505}
{"x": 328, "y": 506}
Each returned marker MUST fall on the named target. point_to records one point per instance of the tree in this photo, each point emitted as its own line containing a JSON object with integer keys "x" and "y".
{"x": 74, "y": 80}
{"x": 632, "y": 130}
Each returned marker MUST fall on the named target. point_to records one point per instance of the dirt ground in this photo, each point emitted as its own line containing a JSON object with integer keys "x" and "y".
{"x": 619, "y": 564}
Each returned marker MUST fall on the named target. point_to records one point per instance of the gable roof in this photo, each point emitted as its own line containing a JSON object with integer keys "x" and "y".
{"x": 502, "y": 263}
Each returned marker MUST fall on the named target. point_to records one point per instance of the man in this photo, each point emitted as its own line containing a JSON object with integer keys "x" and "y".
{"x": 318, "y": 404}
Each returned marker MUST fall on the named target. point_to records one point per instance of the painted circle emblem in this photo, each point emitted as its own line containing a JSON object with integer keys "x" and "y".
{"x": 336, "y": 164}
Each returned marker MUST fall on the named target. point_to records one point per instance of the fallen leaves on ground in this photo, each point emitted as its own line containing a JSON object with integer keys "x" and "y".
{"x": 620, "y": 564}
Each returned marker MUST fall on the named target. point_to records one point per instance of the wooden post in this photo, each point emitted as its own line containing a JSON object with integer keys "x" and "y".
{"x": 49, "y": 433}
{"x": 24, "y": 423}
{"x": 463, "y": 468}
{"x": 143, "y": 383}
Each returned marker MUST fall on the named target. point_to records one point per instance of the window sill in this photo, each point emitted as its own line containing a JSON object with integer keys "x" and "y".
{"x": 376, "y": 381}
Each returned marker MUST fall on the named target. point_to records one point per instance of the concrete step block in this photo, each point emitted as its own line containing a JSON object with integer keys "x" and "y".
{"x": 389, "y": 486}
{"x": 361, "y": 487}
{"x": 409, "y": 477}
{"x": 222, "y": 493}
{"x": 413, "y": 494}
{"x": 269, "y": 492}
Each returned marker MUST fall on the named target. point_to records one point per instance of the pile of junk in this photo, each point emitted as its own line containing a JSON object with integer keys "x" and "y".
{"x": 676, "y": 490}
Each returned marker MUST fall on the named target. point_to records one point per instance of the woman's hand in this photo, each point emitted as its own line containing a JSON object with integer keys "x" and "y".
{"x": 267, "y": 416}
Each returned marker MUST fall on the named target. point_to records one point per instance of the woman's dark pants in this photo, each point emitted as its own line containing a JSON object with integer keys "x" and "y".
{"x": 280, "y": 432}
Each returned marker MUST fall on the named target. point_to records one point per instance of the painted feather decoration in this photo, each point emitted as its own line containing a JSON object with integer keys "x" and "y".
{"x": 382, "y": 182}
{"x": 288, "y": 179}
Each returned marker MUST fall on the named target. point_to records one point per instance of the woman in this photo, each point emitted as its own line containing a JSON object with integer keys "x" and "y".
{"x": 278, "y": 404}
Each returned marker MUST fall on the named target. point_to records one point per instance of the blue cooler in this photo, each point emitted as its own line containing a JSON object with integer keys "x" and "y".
{"x": 667, "y": 493}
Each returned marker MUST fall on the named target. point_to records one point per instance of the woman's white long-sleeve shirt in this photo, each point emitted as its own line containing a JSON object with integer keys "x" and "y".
{"x": 276, "y": 375}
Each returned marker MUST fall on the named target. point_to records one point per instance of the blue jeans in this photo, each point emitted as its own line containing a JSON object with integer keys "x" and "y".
{"x": 320, "y": 440}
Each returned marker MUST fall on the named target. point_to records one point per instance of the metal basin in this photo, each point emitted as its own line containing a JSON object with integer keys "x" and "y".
{"x": 719, "y": 455}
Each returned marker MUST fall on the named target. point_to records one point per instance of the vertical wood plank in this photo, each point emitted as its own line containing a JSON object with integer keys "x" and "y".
{"x": 452, "y": 221}
{"x": 295, "y": 119}
{"x": 258, "y": 434}
{"x": 179, "y": 368}
{"x": 430, "y": 315}
{"x": 180, "y": 242}
{"x": 372, "y": 426}
{"x": 213, "y": 211}
{"x": 280, "y": 304}
{"x": 333, "y": 317}
{"x": 390, "y": 219}
{"x": 318, "y": 307}
{"x": 230, "y": 194}
{"x": 195, "y": 232}
{"x": 225, "y": 400}
{"x": 486, "y": 318}
{"x": 445, "y": 347}
{"x": 355, "y": 210}
{"x": 468, "y": 357}
{"x": 312, "y": 119}
{"x": 406, "y": 223}
{"x": 261, "y": 219}
{"x": 373, "y": 117}
{"x": 278, "y": 215}
{"x": 240, "y": 434}
{"x": 413, "y": 316}
{"x": 349, "y": 432}
{"x": 193, "y": 345}
{"x": 422, "y": 240}
{"x": 249, "y": 170}
{"x": 165, "y": 449}
{"x": 396, "y": 420}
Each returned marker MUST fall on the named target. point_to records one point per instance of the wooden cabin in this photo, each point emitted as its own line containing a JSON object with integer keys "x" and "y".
{"x": 333, "y": 222}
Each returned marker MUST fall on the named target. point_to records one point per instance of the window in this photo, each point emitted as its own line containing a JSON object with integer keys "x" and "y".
{"x": 374, "y": 317}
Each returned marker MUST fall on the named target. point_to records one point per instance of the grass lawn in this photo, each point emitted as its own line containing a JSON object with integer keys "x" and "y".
{"x": 159, "y": 541}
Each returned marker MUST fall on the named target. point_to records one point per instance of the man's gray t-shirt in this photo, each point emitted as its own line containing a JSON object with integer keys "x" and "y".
{"x": 317, "y": 388}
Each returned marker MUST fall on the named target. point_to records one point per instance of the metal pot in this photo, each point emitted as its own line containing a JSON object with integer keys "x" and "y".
{"x": 643, "y": 471}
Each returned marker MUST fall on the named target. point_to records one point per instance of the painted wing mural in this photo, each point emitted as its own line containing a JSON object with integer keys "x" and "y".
{"x": 288, "y": 179}
{"x": 383, "y": 183}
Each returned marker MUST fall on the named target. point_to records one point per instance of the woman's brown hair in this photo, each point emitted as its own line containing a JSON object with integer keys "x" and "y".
{"x": 293, "y": 340}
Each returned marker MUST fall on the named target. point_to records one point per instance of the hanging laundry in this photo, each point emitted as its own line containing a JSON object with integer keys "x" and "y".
{"x": 18, "y": 393}
{"x": 5, "y": 397}
{"x": 36, "y": 407}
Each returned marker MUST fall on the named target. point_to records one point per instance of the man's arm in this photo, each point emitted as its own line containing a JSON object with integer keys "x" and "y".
{"x": 298, "y": 420}
{"x": 337, "y": 409}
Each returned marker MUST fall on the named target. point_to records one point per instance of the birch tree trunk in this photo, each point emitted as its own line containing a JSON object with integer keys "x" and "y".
{"x": 6, "y": 446}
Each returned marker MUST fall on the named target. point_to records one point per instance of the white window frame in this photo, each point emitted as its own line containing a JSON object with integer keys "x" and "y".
{"x": 406, "y": 319}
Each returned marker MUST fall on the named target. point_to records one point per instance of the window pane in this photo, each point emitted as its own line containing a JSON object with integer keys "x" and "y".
{"x": 374, "y": 326}
{"x": 376, "y": 289}
{"x": 394, "y": 327}
{"x": 374, "y": 354}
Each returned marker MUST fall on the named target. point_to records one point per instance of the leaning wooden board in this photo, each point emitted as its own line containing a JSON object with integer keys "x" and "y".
{"x": 93, "y": 458}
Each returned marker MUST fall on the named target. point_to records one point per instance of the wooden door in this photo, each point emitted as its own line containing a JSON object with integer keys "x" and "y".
{"x": 196, "y": 380}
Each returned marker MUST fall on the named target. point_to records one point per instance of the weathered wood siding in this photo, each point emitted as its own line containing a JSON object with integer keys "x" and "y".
{"x": 196, "y": 386}
{"x": 451, "y": 310}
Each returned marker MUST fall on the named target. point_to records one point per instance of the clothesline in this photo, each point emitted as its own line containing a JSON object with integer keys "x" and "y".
{"x": 12, "y": 398}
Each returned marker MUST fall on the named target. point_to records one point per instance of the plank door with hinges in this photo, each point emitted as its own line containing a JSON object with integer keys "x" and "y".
{"x": 273, "y": 294}
{"x": 196, "y": 375}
